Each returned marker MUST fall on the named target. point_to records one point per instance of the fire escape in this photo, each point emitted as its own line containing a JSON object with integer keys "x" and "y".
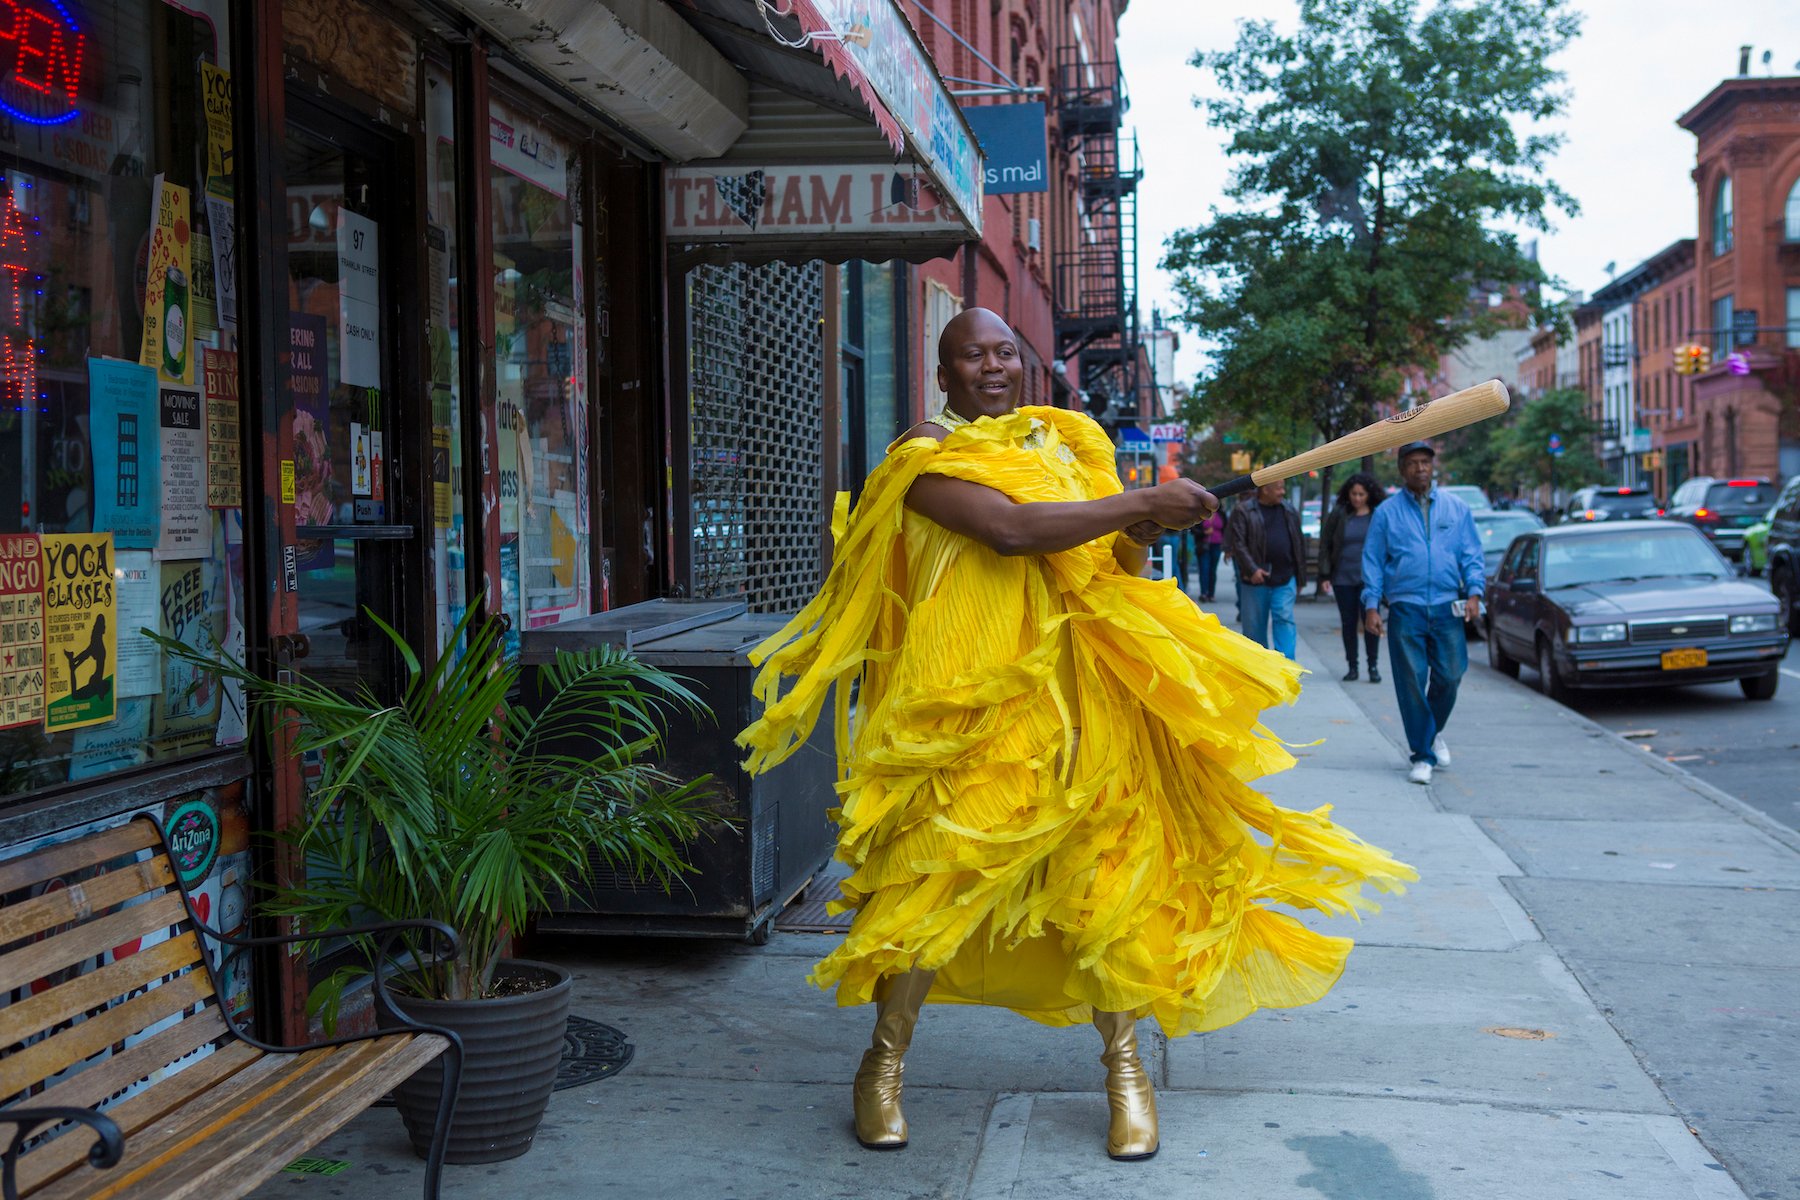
{"x": 1096, "y": 279}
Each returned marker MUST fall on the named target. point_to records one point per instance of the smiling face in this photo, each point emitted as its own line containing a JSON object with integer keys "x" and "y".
{"x": 979, "y": 368}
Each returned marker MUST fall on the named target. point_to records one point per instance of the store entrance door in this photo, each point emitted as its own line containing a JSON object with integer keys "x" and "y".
{"x": 357, "y": 550}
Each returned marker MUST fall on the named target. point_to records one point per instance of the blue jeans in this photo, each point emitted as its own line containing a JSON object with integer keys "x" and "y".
{"x": 1427, "y": 654}
{"x": 1259, "y": 606}
{"x": 1209, "y": 567}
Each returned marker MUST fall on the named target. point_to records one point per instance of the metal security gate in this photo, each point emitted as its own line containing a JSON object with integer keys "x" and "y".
{"x": 756, "y": 393}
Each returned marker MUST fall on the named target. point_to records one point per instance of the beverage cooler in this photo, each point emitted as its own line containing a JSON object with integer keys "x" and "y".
{"x": 743, "y": 874}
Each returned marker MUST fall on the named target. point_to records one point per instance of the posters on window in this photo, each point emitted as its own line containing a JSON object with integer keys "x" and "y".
{"x": 168, "y": 288}
{"x": 122, "y": 743}
{"x": 313, "y": 501}
{"x": 126, "y": 444}
{"x": 224, "y": 448}
{"x": 139, "y": 660}
{"x": 185, "y": 524}
{"x": 359, "y": 300}
{"x": 191, "y": 606}
{"x": 81, "y": 629}
{"x": 221, "y": 225}
{"x": 21, "y": 630}
{"x": 215, "y": 95}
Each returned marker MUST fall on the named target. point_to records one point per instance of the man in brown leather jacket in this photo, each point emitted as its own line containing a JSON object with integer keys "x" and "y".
{"x": 1262, "y": 539}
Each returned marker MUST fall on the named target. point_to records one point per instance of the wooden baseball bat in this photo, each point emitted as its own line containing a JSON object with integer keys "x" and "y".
{"x": 1415, "y": 424}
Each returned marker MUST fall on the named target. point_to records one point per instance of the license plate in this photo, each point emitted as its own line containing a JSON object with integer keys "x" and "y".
{"x": 1681, "y": 660}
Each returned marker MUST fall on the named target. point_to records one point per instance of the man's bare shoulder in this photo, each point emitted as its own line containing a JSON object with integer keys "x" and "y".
{"x": 936, "y": 433}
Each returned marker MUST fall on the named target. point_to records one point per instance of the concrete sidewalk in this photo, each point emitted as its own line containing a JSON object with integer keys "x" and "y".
{"x": 1461, "y": 1056}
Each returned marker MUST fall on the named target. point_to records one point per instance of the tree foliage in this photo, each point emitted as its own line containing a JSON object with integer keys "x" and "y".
{"x": 1514, "y": 457}
{"x": 1377, "y": 153}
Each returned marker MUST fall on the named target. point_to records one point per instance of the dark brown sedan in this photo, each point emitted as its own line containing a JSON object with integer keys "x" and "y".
{"x": 1630, "y": 604}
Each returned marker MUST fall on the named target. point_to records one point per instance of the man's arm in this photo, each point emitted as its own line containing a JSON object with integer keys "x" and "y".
{"x": 1045, "y": 527}
{"x": 1374, "y": 561}
{"x": 1474, "y": 566}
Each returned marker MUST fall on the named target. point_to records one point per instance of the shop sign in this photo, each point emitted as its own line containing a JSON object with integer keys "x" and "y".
{"x": 731, "y": 203}
{"x": 41, "y": 54}
{"x": 1014, "y": 146}
{"x": 880, "y": 41}
{"x": 520, "y": 148}
{"x": 81, "y": 630}
{"x": 1174, "y": 431}
{"x": 193, "y": 835}
{"x": 21, "y": 630}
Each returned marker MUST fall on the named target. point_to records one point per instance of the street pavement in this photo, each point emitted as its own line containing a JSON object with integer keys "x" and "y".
{"x": 1746, "y": 749}
{"x": 1589, "y": 995}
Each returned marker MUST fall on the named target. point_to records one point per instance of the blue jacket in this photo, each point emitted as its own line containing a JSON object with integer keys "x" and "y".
{"x": 1405, "y": 561}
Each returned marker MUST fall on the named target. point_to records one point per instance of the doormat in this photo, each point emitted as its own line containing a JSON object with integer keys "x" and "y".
{"x": 591, "y": 1052}
{"x": 807, "y": 913}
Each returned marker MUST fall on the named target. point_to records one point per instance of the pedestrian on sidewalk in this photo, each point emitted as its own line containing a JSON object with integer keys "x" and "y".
{"x": 1041, "y": 781}
{"x": 1340, "y": 564}
{"x": 1209, "y": 544}
{"x": 1423, "y": 557}
{"x": 1263, "y": 539}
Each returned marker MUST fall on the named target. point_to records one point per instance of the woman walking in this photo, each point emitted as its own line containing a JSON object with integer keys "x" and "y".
{"x": 1209, "y": 540}
{"x": 1340, "y": 564}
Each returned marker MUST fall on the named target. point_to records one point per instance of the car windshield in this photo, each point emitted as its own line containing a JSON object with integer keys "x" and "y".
{"x": 1469, "y": 494}
{"x": 1498, "y": 531}
{"x": 1739, "y": 497}
{"x": 1623, "y": 557}
{"x": 1630, "y": 501}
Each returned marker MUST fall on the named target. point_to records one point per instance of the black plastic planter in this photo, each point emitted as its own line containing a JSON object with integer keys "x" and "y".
{"x": 511, "y": 1048}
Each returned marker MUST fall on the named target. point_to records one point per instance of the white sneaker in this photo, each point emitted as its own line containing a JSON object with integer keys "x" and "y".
{"x": 1440, "y": 751}
{"x": 1421, "y": 772}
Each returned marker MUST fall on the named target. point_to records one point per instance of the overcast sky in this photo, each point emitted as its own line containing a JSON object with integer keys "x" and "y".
{"x": 1637, "y": 66}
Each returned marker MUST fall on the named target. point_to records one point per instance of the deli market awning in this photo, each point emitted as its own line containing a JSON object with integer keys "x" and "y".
{"x": 854, "y": 146}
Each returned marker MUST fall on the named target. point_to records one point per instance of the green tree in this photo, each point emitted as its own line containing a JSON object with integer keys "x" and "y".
{"x": 1378, "y": 152}
{"x": 1523, "y": 459}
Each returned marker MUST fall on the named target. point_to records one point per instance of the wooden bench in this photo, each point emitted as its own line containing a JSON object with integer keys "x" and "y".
{"x": 220, "y": 1124}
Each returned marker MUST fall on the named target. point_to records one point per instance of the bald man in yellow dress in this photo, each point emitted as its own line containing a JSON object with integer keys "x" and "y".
{"x": 1045, "y": 781}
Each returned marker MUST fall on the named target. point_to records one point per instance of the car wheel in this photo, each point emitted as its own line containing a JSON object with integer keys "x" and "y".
{"x": 1498, "y": 658}
{"x": 1760, "y": 687}
{"x": 1549, "y": 678}
{"x": 1781, "y": 582}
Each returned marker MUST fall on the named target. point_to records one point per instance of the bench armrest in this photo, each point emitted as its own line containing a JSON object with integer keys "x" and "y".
{"x": 107, "y": 1150}
{"x": 445, "y": 946}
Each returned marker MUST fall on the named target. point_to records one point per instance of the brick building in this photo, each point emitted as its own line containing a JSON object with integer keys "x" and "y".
{"x": 1662, "y": 317}
{"x": 1059, "y": 265}
{"x": 1747, "y": 276}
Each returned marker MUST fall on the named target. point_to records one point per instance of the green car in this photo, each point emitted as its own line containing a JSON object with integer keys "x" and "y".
{"x": 1756, "y": 542}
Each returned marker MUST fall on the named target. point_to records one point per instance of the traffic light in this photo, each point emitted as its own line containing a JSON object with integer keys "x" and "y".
{"x": 1692, "y": 358}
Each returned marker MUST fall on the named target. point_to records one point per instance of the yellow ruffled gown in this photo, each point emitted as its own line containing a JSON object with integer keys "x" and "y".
{"x": 1043, "y": 775}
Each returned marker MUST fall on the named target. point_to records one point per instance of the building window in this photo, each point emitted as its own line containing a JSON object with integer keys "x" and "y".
{"x": 539, "y": 292}
{"x": 1793, "y": 318}
{"x": 117, "y": 513}
{"x": 1721, "y": 326}
{"x": 1721, "y": 216}
{"x": 1791, "y": 226}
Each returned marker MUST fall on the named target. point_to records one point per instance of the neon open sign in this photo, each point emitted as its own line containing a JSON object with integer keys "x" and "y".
{"x": 40, "y": 61}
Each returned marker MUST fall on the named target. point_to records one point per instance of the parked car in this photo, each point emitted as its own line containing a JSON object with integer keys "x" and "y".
{"x": 1610, "y": 504}
{"x": 1722, "y": 508}
{"x": 1756, "y": 541}
{"x": 1784, "y": 553}
{"x": 1469, "y": 494}
{"x": 1497, "y": 528}
{"x": 1630, "y": 604}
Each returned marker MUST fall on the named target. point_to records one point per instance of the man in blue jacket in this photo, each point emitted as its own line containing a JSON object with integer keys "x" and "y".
{"x": 1423, "y": 557}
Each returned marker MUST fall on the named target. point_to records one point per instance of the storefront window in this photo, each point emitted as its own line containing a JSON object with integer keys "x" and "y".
{"x": 540, "y": 351}
{"x": 445, "y": 375}
{"x": 120, "y": 460}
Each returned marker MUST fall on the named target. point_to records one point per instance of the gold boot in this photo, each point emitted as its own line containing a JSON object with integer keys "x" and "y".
{"x": 1132, "y": 1133}
{"x": 880, "y": 1125}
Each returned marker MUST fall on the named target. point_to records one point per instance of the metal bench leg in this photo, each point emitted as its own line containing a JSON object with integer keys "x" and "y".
{"x": 440, "y": 1132}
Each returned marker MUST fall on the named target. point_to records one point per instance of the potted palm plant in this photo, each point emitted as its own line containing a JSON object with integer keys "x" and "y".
{"x": 458, "y": 804}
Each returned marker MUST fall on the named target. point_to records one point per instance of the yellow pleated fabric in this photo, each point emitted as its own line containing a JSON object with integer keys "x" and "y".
{"x": 1043, "y": 782}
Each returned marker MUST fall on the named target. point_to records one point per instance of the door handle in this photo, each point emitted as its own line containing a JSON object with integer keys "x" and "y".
{"x": 290, "y": 646}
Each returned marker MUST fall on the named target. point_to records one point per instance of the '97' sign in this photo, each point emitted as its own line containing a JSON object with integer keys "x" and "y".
{"x": 40, "y": 61}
